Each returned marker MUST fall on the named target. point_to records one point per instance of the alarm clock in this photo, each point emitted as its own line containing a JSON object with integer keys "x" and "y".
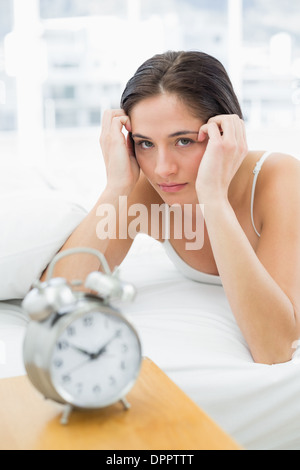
{"x": 79, "y": 350}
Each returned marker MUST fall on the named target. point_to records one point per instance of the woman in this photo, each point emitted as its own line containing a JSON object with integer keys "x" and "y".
{"x": 186, "y": 145}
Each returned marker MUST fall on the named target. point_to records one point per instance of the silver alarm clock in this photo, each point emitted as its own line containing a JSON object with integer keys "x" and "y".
{"x": 79, "y": 350}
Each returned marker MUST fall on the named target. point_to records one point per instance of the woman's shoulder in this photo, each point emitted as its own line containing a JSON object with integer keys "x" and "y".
{"x": 272, "y": 160}
{"x": 279, "y": 168}
{"x": 272, "y": 167}
{"x": 278, "y": 183}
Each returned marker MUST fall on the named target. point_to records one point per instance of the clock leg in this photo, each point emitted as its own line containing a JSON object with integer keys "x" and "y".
{"x": 125, "y": 403}
{"x": 66, "y": 413}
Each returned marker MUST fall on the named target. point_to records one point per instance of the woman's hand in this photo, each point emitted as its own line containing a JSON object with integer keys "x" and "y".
{"x": 225, "y": 152}
{"x": 121, "y": 166}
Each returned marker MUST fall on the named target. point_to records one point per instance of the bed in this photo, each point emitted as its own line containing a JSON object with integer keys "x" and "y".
{"x": 185, "y": 327}
{"x": 188, "y": 329}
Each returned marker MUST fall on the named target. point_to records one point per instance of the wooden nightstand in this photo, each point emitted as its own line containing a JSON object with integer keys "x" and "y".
{"x": 161, "y": 417}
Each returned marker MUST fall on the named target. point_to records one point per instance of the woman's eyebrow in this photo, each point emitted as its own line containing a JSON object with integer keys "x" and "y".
{"x": 175, "y": 134}
{"x": 140, "y": 136}
{"x": 179, "y": 133}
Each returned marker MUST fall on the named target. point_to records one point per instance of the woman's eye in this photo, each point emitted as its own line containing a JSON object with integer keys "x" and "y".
{"x": 184, "y": 142}
{"x": 145, "y": 144}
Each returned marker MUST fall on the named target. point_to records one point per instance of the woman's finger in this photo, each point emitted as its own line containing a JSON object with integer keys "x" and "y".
{"x": 244, "y": 132}
{"x": 209, "y": 130}
{"x": 118, "y": 122}
{"x": 108, "y": 117}
{"x": 227, "y": 125}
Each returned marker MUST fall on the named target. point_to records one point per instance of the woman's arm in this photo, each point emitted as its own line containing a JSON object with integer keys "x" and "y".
{"x": 86, "y": 235}
{"x": 265, "y": 313}
{"x": 122, "y": 176}
{"x": 262, "y": 287}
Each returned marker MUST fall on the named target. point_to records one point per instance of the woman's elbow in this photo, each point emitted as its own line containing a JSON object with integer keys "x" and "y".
{"x": 277, "y": 355}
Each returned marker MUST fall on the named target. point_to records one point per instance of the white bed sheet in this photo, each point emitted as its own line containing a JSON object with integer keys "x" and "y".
{"x": 188, "y": 329}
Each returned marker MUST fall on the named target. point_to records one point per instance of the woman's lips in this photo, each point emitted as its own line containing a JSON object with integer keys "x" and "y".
{"x": 172, "y": 188}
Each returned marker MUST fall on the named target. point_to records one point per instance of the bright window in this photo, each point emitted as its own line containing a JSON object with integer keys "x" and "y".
{"x": 62, "y": 62}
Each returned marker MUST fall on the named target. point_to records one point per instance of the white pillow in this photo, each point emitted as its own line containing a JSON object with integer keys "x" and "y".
{"x": 34, "y": 226}
{"x": 23, "y": 178}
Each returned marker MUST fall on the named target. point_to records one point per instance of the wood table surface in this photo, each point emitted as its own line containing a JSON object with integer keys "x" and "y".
{"x": 161, "y": 417}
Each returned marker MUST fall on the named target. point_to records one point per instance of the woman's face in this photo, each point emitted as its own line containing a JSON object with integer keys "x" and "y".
{"x": 165, "y": 134}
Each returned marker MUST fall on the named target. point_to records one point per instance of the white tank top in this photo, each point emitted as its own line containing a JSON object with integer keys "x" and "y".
{"x": 186, "y": 269}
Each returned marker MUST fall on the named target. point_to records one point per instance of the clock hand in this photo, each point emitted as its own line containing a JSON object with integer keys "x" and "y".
{"x": 82, "y": 351}
{"x": 82, "y": 364}
{"x": 92, "y": 357}
{"x": 103, "y": 348}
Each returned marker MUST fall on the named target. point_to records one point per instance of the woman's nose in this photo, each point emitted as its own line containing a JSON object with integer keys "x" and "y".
{"x": 165, "y": 164}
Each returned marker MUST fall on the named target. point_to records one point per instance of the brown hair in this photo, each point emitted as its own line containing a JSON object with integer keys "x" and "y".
{"x": 198, "y": 79}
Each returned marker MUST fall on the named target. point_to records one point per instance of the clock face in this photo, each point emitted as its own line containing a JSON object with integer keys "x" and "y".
{"x": 95, "y": 360}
